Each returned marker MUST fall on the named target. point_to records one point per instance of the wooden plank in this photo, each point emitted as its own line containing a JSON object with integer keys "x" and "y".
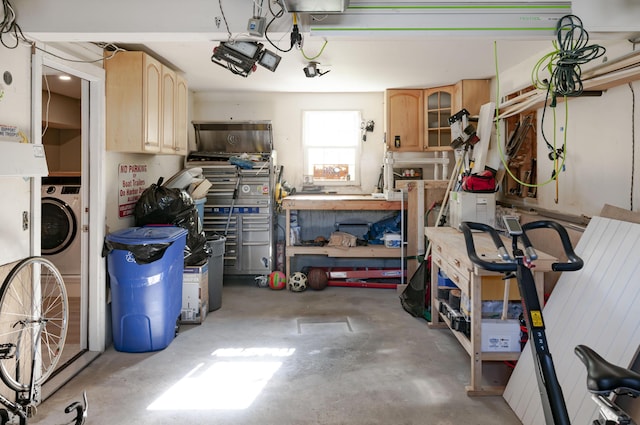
{"x": 372, "y": 251}
{"x": 484, "y": 129}
{"x": 421, "y": 194}
{"x": 594, "y": 306}
{"x": 625, "y": 61}
{"x": 520, "y": 98}
{"x": 339, "y": 202}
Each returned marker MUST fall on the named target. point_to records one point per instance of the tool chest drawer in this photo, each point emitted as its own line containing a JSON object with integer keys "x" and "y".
{"x": 457, "y": 275}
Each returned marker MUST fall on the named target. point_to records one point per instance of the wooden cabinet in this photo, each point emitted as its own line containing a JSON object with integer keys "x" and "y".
{"x": 141, "y": 105}
{"x": 181, "y": 121}
{"x": 443, "y": 102}
{"x": 438, "y": 109}
{"x": 418, "y": 119}
{"x": 168, "y": 110}
{"x": 449, "y": 255}
{"x": 404, "y": 120}
{"x": 470, "y": 95}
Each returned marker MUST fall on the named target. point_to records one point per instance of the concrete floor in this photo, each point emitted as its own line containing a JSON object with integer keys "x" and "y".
{"x": 337, "y": 356}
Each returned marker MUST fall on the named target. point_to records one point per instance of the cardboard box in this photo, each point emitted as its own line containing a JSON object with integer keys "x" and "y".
{"x": 195, "y": 294}
{"x": 200, "y": 189}
{"x": 492, "y": 290}
{"x": 501, "y": 335}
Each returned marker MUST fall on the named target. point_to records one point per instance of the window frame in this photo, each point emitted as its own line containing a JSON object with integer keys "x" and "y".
{"x": 355, "y": 179}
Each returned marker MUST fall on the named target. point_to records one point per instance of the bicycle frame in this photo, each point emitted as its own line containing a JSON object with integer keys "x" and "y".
{"x": 553, "y": 403}
{"x": 554, "y": 407}
{"x": 603, "y": 377}
{"x": 23, "y": 405}
{"x": 31, "y": 322}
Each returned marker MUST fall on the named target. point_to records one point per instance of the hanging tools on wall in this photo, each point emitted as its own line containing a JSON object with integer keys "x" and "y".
{"x": 366, "y": 127}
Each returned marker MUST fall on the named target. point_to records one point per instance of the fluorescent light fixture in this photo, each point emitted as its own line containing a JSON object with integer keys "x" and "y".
{"x": 64, "y": 78}
{"x": 315, "y": 6}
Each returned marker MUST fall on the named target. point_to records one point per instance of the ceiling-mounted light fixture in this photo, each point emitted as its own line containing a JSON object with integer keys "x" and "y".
{"x": 240, "y": 57}
{"x": 312, "y": 70}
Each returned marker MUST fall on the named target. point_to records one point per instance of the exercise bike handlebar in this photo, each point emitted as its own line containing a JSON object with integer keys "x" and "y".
{"x": 509, "y": 265}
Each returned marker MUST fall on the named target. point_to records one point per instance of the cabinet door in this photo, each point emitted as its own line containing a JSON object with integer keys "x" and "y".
{"x": 182, "y": 99}
{"x": 436, "y": 114}
{"x": 152, "y": 92}
{"x": 404, "y": 120}
{"x": 167, "y": 141}
{"x": 470, "y": 95}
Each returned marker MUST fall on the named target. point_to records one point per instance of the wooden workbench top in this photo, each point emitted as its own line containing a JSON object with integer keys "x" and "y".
{"x": 338, "y": 202}
{"x": 453, "y": 241}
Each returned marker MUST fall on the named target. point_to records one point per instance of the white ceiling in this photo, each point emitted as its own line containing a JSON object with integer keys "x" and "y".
{"x": 184, "y": 39}
{"x": 353, "y": 65}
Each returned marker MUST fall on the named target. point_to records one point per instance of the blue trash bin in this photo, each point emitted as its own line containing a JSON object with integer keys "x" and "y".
{"x": 145, "y": 266}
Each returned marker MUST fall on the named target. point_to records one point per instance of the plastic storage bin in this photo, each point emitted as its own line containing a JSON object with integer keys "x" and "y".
{"x": 199, "y": 203}
{"x": 392, "y": 240}
{"x": 145, "y": 265}
{"x": 216, "y": 271}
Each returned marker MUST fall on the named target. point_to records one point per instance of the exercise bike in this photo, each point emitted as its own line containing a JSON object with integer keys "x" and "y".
{"x": 603, "y": 378}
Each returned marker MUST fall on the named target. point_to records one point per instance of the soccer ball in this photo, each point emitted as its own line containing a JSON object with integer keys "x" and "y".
{"x": 298, "y": 282}
{"x": 277, "y": 280}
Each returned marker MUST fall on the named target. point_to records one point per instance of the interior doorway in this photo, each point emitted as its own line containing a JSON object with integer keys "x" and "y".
{"x": 63, "y": 209}
{"x": 75, "y": 148}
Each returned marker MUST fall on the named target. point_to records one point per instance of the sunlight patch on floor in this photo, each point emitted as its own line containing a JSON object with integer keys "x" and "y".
{"x": 225, "y": 384}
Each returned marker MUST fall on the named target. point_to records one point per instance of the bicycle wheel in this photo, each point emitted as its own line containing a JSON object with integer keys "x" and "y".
{"x": 34, "y": 313}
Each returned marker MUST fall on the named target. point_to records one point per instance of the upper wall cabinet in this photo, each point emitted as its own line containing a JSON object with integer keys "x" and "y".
{"x": 470, "y": 95}
{"x": 437, "y": 111}
{"x": 143, "y": 111}
{"x": 181, "y": 121}
{"x": 404, "y": 119}
{"x": 418, "y": 119}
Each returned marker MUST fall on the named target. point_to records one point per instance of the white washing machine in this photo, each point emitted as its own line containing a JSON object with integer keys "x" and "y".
{"x": 61, "y": 214}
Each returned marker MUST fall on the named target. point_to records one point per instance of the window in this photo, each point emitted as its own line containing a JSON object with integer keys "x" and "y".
{"x": 331, "y": 142}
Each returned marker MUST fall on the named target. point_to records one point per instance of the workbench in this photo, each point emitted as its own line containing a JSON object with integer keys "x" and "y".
{"x": 449, "y": 253}
{"x": 334, "y": 203}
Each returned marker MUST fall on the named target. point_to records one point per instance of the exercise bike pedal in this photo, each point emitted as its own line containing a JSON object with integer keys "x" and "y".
{"x": 7, "y": 351}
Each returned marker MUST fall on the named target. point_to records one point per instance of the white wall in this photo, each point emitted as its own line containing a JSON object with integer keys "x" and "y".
{"x": 157, "y": 166}
{"x": 599, "y": 132}
{"x": 285, "y": 112}
{"x": 15, "y": 109}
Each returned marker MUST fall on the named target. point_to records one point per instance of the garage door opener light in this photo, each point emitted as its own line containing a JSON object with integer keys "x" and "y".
{"x": 312, "y": 70}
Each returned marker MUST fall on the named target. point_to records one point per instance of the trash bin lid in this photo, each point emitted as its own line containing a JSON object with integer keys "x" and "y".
{"x": 147, "y": 235}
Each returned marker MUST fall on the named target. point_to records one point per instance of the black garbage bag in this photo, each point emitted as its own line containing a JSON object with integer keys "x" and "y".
{"x": 415, "y": 295}
{"x": 160, "y": 205}
{"x": 143, "y": 254}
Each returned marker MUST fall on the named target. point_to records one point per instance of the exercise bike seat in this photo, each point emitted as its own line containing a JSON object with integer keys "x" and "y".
{"x": 604, "y": 377}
